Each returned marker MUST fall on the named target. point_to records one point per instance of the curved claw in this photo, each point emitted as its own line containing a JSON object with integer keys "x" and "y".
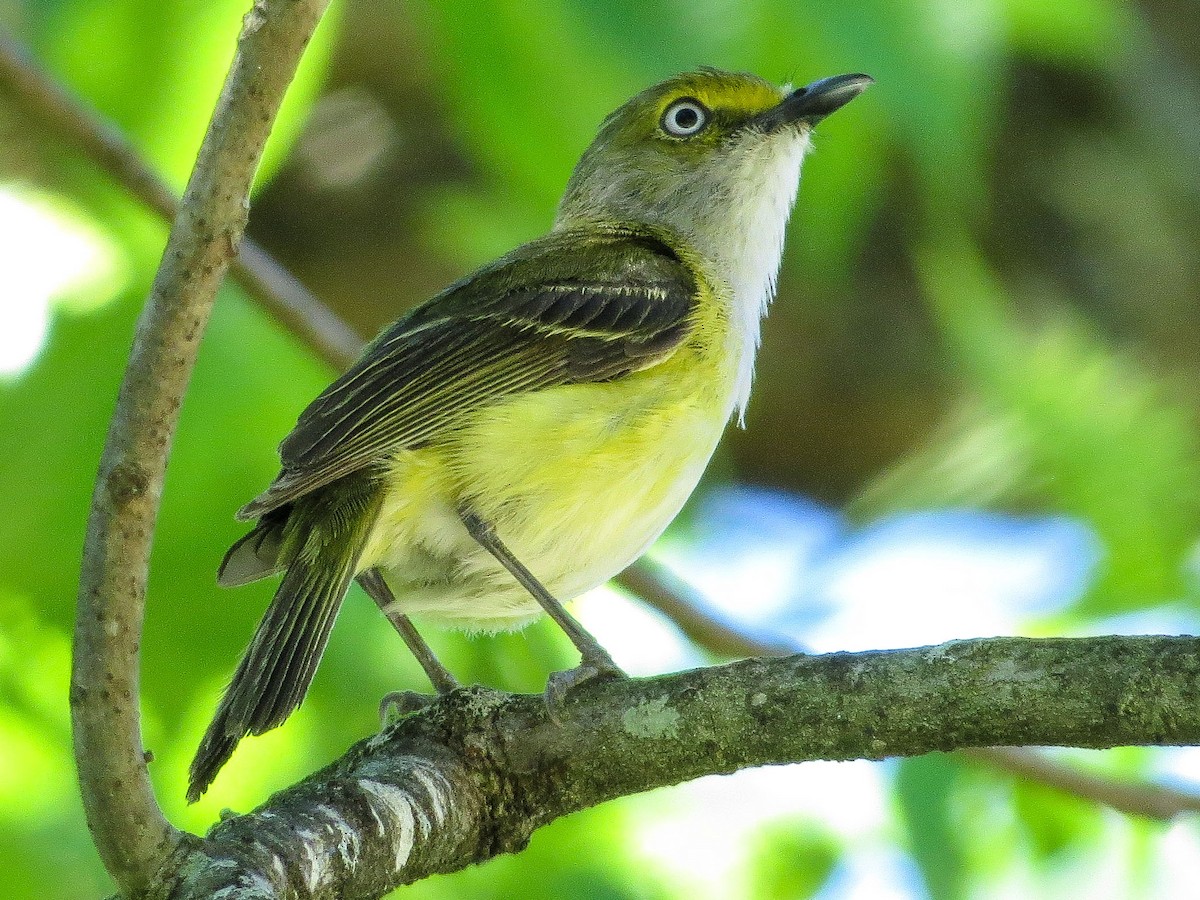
{"x": 398, "y": 704}
{"x": 560, "y": 684}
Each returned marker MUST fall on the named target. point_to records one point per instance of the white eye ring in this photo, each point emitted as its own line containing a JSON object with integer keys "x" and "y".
{"x": 684, "y": 118}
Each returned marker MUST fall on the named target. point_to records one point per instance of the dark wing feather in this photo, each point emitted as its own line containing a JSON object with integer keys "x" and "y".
{"x": 616, "y": 303}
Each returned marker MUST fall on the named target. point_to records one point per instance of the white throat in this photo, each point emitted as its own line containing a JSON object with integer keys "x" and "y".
{"x": 745, "y": 243}
{"x": 732, "y": 212}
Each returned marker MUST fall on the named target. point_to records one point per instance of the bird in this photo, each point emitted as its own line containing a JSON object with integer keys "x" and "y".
{"x": 528, "y": 432}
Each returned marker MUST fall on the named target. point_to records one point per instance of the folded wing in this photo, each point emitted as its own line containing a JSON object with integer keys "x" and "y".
{"x": 566, "y": 309}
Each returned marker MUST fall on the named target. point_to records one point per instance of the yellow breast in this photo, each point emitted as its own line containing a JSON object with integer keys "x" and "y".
{"x": 577, "y": 479}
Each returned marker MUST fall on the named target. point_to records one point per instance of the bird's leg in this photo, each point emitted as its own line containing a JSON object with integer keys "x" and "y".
{"x": 595, "y": 660}
{"x": 443, "y": 682}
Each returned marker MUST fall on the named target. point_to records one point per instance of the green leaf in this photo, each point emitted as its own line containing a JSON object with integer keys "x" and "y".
{"x": 924, "y": 790}
{"x": 1054, "y": 823}
{"x": 792, "y": 860}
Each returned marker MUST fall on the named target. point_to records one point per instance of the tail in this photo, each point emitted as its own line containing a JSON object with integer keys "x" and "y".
{"x": 258, "y": 553}
{"x": 321, "y": 543}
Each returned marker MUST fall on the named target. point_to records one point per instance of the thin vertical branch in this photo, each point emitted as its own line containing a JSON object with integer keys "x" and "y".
{"x": 62, "y": 114}
{"x": 131, "y": 834}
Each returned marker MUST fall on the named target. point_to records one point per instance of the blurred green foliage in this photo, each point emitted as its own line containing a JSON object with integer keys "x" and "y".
{"x": 989, "y": 299}
{"x": 792, "y": 860}
{"x": 925, "y": 794}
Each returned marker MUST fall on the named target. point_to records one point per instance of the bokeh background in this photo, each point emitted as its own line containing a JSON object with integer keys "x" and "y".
{"x": 976, "y": 410}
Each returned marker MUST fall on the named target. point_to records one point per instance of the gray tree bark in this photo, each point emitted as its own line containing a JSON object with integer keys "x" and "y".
{"x": 475, "y": 774}
{"x": 129, "y": 829}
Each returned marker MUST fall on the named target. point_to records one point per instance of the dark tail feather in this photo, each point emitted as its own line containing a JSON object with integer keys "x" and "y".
{"x": 274, "y": 675}
{"x": 256, "y": 555}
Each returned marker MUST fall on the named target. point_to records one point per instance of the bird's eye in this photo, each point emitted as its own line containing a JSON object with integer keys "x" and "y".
{"x": 684, "y": 118}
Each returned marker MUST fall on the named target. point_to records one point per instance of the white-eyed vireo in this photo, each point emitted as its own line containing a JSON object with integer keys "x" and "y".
{"x": 528, "y": 432}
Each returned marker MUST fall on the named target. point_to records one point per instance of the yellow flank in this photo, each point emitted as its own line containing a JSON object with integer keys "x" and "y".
{"x": 579, "y": 480}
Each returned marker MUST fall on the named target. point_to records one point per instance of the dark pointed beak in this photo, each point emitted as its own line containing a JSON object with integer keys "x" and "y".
{"x": 809, "y": 105}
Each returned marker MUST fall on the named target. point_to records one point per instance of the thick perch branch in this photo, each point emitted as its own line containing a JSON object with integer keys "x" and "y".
{"x": 674, "y": 598}
{"x": 476, "y": 774}
{"x": 131, "y": 834}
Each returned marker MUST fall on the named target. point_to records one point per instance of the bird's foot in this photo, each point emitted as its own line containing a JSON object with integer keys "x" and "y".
{"x": 398, "y": 704}
{"x": 560, "y": 685}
